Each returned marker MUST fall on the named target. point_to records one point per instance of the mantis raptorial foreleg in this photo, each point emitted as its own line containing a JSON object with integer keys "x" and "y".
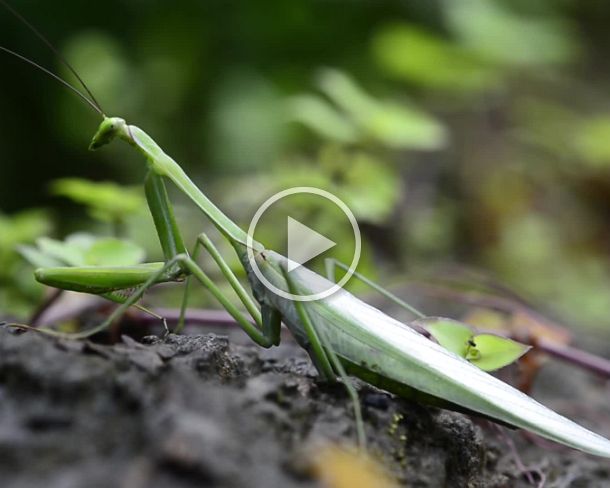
{"x": 265, "y": 337}
{"x": 162, "y": 213}
{"x": 331, "y": 264}
{"x": 328, "y": 359}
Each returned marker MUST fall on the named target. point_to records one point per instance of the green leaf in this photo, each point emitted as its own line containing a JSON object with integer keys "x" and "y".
{"x": 36, "y": 258}
{"x": 395, "y": 125}
{"x": 590, "y": 140}
{"x": 450, "y": 334}
{"x": 82, "y": 249}
{"x": 343, "y": 90}
{"x": 106, "y": 201}
{"x": 414, "y": 54}
{"x": 493, "y": 31}
{"x": 81, "y": 240}
{"x": 70, "y": 255}
{"x": 114, "y": 252}
{"x": 319, "y": 116}
{"x": 369, "y": 188}
{"x": 486, "y": 351}
{"x": 493, "y": 352}
{"x": 21, "y": 228}
{"x": 405, "y": 127}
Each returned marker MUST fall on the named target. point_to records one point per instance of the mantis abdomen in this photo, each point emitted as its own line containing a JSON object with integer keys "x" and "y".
{"x": 381, "y": 349}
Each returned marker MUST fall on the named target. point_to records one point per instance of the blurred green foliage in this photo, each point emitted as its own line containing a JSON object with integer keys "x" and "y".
{"x": 475, "y": 131}
{"x": 362, "y": 118}
{"x": 105, "y": 201}
{"x": 82, "y": 249}
{"x": 18, "y": 291}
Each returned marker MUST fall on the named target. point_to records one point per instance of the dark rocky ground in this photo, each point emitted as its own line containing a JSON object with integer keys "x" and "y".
{"x": 206, "y": 411}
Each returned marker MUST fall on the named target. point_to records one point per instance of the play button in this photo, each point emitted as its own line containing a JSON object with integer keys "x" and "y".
{"x": 304, "y": 244}
{"x": 331, "y": 231}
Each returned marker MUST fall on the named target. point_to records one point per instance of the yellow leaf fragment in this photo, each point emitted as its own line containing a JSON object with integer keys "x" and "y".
{"x": 338, "y": 467}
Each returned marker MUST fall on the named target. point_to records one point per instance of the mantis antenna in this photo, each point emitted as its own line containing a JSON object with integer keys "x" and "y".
{"x": 55, "y": 77}
{"x": 91, "y": 100}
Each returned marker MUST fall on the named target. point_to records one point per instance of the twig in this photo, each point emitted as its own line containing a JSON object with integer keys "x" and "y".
{"x": 578, "y": 357}
{"x": 44, "y": 306}
{"x": 584, "y": 359}
{"x": 193, "y": 316}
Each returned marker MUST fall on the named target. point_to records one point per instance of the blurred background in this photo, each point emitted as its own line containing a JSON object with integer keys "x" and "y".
{"x": 470, "y": 132}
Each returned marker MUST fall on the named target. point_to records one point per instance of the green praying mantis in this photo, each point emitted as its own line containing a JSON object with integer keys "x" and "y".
{"x": 342, "y": 334}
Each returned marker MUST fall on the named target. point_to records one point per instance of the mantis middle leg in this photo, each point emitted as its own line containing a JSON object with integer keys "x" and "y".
{"x": 327, "y": 357}
{"x": 332, "y": 264}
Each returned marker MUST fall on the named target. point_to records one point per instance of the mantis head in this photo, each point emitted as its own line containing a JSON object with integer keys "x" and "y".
{"x": 110, "y": 128}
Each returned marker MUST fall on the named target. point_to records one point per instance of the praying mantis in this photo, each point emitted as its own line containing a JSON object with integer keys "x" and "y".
{"x": 342, "y": 334}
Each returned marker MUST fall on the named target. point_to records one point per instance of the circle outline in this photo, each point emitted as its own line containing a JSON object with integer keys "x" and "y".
{"x": 314, "y": 191}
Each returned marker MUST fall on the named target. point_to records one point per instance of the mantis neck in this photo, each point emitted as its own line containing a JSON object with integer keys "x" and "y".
{"x": 164, "y": 165}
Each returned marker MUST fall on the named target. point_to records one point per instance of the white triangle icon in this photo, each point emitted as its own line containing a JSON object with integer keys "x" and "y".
{"x": 304, "y": 244}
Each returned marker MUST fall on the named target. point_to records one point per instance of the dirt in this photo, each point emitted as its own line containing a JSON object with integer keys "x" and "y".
{"x": 208, "y": 411}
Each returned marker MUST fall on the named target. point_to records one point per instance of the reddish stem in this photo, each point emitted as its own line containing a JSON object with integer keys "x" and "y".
{"x": 578, "y": 357}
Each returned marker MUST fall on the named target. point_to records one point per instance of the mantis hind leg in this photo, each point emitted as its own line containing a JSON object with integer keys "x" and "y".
{"x": 332, "y": 264}
{"x": 119, "y": 298}
{"x": 327, "y": 359}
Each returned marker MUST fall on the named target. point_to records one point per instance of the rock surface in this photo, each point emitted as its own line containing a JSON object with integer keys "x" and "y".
{"x": 199, "y": 410}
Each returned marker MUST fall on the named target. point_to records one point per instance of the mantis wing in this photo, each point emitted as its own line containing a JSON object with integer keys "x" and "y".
{"x": 365, "y": 336}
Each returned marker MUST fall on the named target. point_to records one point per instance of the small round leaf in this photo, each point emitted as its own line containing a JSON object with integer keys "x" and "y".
{"x": 495, "y": 352}
{"x": 451, "y": 334}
